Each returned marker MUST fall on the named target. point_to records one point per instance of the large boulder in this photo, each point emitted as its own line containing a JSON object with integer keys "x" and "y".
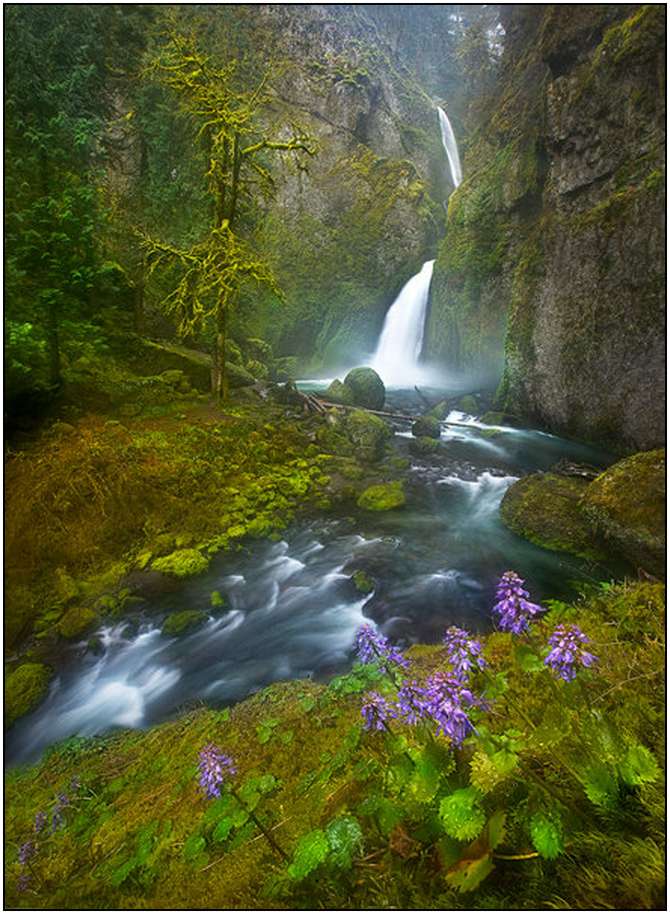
{"x": 340, "y": 393}
{"x": 368, "y": 434}
{"x": 382, "y": 497}
{"x": 544, "y": 508}
{"x": 367, "y": 388}
{"x": 184, "y": 622}
{"x": 426, "y": 427}
{"x": 626, "y": 505}
{"x": 25, "y": 687}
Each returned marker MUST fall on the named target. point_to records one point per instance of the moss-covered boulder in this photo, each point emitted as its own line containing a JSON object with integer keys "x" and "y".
{"x": 368, "y": 434}
{"x": 76, "y": 621}
{"x": 183, "y": 622}
{"x": 425, "y": 446}
{"x": 362, "y": 582}
{"x": 382, "y": 497}
{"x": 440, "y": 411}
{"x": 468, "y": 404}
{"x": 367, "y": 388}
{"x": 544, "y": 508}
{"x": 340, "y": 393}
{"x": 156, "y": 358}
{"x": 426, "y": 427}
{"x": 182, "y": 563}
{"x": 25, "y": 687}
{"x": 626, "y": 505}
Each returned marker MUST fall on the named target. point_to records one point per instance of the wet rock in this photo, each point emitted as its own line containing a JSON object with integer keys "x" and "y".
{"x": 25, "y": 687}
{"x": 368, "y": 434}
{"x": 626, "y": 505}
{"x": 218, "y": 600}
{"x": 184, "y": 622}
{"x": 182, "y": 563}
{"x": 367, "y": 388}
{"x": 362, "y": 582}
{"x": 425, "y": 446}
{"x": 150, "y": 584}
{"x": 382, "y": 497}
{"x": 544, "y": 508}
{"x": 468, "y": 404}
{"x": 76, "y": 621}
{"x": 426, "y": 427}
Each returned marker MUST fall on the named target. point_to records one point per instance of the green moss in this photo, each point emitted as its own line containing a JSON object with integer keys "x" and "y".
{"x": 638, "y": 36}
{"x": 368, "y": 434}
{"x": 184, "y": 622}
{"x": 469, "y": 405}
{"x": 363, "y": 582}
{"x": 425, "y": 447}
{"x": 383, "y": 497}
{"x": 544, "y": 508}
{"x": 183, "y": 563}
{"x": 25, "y": 687}
{"x": 217, "y": 600}
{"x": 367, "y": 388}
{"x": 76, "y": 621}
{"x": 426, "y": 427}
{"x": 626, "y": 504}
{"x": 340, "y": 393}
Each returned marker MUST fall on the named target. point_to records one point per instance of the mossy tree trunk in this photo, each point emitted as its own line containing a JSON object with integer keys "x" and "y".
{"x": 220, "y": 375}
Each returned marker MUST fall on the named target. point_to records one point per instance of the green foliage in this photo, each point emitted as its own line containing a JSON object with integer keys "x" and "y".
{"x": 639, "y": 766}
{"x": 311, "y": 850}
{"x": 461, "y": 814}
{"x": 345, "y": 839}
{"x": 361, "y": 679}
{"x": 545, "y": 830}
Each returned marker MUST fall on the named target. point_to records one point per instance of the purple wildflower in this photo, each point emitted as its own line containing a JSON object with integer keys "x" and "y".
{"x": 376, "y": 710}
{"x": 23, "y": 882}
{"x": 447, "y": 698}
{"x": 40, "y": 821}
{"x": 75, "y": 784}
{"x": 26, "y": 852}
{"x": 214, "y": 767}
{"x": 58, "y": 818}
{"x": 567, "y": 651}
{"x": 513, "y": 609}
{"x": 463, "y": 652}
{"x": 373, "y": 647}
{"x": 413, "y": 702}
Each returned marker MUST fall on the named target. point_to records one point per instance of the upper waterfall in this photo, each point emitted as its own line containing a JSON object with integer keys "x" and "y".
{"x": 450, "y": 147}
{"x": 397, "y": 357}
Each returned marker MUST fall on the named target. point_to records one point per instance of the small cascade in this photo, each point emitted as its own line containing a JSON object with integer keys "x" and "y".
{"x": 397, "y": 357}
{"x": 450, "y": 147}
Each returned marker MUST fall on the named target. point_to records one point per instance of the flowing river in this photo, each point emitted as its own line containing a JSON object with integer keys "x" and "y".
{"x": 293, "y": 608}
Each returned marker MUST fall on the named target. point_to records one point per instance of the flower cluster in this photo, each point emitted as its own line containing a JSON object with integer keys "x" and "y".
{"x": 29, "y": 848}
{"x": 214, "y": 767}
{"x": 26, "y": 853}
{"x": 567, "y": 651}
{"x": 373, "y": 647}
{"x": 376, "y": 711}
{"x": 57, "y": 818}
{"x": 513, "y": 609}
{"x": 463, "y": 652}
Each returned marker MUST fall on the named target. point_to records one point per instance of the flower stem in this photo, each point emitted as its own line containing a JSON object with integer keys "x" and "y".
{"x": 254, "y": 818}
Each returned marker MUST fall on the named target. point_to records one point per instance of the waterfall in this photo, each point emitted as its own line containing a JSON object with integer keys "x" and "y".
{"x": 450, "y": 147}
{"x": 397, "y": 357}
{"x": 399, "y": 348}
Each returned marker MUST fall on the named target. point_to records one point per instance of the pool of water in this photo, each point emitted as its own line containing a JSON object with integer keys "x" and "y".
{"x": 292, "y": 608}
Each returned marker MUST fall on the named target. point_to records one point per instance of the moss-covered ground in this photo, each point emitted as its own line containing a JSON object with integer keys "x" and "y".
{"x": 138, "y": 832}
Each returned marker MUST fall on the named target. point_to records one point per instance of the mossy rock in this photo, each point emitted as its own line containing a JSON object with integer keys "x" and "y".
{"x": 366, "y": 387}
{"x": 399, "y": 464}
{"x": 76, "y": 621}
{"x": 382, "y": 497}
{"x": 626, "y": 505}
{"x": 155, "y": 358}
{"x": 183, "y": 622}
{"x": 340, "y": 393}
{"x": 544, "y": 508}
{"x": 368, "y": 434}
{"x": 218, "y": 600}
{"x": 425, "y": 446}
{"x": 440, "y": 411}
{"x": 182, "y": 563}
{"x": 362, "y": 582}
{"x": 468, "y": 404}
{"x": 426, "y": 427}
{"x": 24, "y": 689}
{"x": 494, "y": 418}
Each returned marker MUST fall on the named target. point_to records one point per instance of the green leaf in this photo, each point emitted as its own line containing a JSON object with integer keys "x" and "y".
{"x": 345, "y": 839}
{"x": 461, "y": 814}
{"x": 312, "y": 849}
{"x": 266, "y": 783}
{"x": 528, "y": 659}
{"x": 601, "y": 786}
{"x": 223, "y": 829}
{"x": 545, "y": 832}
{"x": 496, "y": 828}
{"x": 265, "y": 728}
{"x": 466, "y": 875}
{"x": 121, "y": 873}
{"x": 639, "y": 766}
{"x": 193, "y": 847}
{"x": 425, "y": 780}
{"x": 239, "y": 817}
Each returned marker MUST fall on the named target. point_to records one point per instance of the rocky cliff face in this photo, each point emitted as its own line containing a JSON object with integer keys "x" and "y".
{"x": 552, "y": 269}
{"x": 347, "y": 233}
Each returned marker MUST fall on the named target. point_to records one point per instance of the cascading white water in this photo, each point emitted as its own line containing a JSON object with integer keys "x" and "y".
{"x": 397, "y": 357}
{"x": 450, "y": 147}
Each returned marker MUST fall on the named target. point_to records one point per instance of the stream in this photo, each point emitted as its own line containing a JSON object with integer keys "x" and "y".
{"x": 292, "y": 607}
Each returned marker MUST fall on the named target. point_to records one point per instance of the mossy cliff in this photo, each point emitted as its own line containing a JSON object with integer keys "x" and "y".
{"x": 551, "y": 272}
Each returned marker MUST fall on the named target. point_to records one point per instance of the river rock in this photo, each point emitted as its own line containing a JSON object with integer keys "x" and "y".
{"x": 340, "y": 393}
{"x": 76, "y": 621}
{"x": 544, "y": 508}
{"x": 626, "y": 505}
{"x": 367, "y": 388}
{"x": 362, "y": 582}
{"x": 25, "y": 687}
{"x": 468, "y": 404}
{"x": 184, "y": 622}
{"x": 182, "y": 563}
{"x": 426, "y": 427}
{"x": 425, "y": 446}
{"x": 368, "y": 434}
{"x": 383, "y": 497}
